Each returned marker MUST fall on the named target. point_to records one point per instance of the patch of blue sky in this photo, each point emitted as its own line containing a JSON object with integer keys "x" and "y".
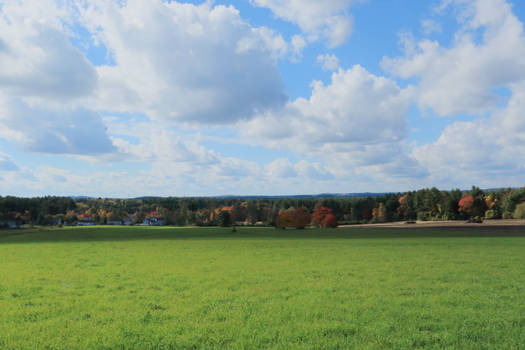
{"x": 34, "y": 160}
{"x": 426, "y": 126}
{"x": 96, "y": 52}
{"x": 298, "y": 76}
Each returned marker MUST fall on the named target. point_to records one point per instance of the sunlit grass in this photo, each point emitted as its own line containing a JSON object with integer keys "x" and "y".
{"x": 163, "y": 288}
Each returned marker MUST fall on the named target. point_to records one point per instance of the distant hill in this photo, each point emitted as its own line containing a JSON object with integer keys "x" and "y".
{"x": 320, "y": 195}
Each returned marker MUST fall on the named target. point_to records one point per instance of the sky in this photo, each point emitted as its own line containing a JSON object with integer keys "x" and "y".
{"x": 128, "y": 98}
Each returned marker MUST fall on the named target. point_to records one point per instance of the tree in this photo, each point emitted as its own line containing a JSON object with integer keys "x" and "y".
{"x": 379, "y": 213}
{"x": 301, "y": 218}
{"x": 330, "y": 221}
{"x": 466, "y": 204}
{"x": 519, "y": 212}
{"x": 510, "y": 200}
{"x": 284, "y": 219}
{"x": 320, "y": 214}
{"x": 224, "y": 218}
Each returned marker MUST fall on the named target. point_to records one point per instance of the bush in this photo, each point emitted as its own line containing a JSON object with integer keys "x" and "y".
{"x": 519, "y": 212}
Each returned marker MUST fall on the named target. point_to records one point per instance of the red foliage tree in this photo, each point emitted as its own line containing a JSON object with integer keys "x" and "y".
{"x": 466, "y": 204}
{"x": 330, "y": 221}
{"x": 320, "y": 214}
{"x": 301, "y": 218}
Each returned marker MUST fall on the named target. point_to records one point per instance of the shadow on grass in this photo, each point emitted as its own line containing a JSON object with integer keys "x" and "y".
{"x": 105, "y": 233}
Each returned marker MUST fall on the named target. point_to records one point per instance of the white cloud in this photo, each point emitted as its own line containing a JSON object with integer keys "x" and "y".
{"x": 319, "y": 20}
{"x": 36, "y": 56}
{"x": 462, "y": 79}
{"x": 355, "y": 124}
{"x": 328, "y": 61}
{"x": 487, "y": 151}
{"x": 43, "y": 82}
{"x": 40, "y": 128}
{"x": 356, "y": 109}
{"x": 281, "y": 167}
{"x": 195, "y": 64}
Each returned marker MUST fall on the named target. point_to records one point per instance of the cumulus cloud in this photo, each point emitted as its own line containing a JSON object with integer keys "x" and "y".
{"x": 488, "y": 151}
{"x": 43, "y": 82}
{"x": 319, "y": 20}
{"x": 36, "y": 56}
{"x": 356, "y": 125}
{"x": 194, "y": 64}
{"x": 356, "y": 109}
{"x": 328, "y": 61}
{"x": 67, "y": 130}
{"x": 462, "y": 78}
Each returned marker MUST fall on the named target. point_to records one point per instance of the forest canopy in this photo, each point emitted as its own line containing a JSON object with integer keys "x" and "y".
{"x": 425, "y": 204}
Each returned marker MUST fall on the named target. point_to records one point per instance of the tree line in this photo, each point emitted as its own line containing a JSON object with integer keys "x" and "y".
{"x": 425, "y": 204}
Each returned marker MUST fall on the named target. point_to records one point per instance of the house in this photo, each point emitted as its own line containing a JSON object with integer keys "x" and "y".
{"x": 114, "y": 222}
{"x": 9, "y": 224}
{"x": 85, "y": 221}
{"x": 153, "y": 221}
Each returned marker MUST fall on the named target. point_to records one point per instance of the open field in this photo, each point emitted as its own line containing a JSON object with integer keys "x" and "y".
{"x": 180, "y": 288}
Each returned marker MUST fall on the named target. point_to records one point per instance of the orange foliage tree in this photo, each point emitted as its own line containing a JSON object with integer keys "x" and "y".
{"x": 284, "y": 219}
{"x": 466, "y": 204}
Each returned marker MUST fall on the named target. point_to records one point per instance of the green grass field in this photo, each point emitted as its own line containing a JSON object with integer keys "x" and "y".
{"x": 260, "y": 288}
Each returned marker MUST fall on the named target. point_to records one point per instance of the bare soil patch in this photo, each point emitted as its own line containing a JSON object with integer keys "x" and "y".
{"x": 492, "y": 225}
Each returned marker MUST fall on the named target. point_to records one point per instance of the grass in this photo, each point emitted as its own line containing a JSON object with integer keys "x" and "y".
{"x": 260, "y": 288}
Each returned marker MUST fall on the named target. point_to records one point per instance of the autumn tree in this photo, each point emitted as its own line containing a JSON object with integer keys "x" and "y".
{"x": 466, "y": 205}
{"x": 284, "y": 219}
{"x": 330, "y": 221}
{"x": 301, "y": 218}
{"x": 379, "y": 213}
{"x": 320, "y": 214}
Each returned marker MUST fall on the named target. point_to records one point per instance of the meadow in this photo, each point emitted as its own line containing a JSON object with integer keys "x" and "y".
{"x": 261, "y": 288}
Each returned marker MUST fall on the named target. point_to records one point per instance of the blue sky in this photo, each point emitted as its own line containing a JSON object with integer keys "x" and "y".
{"x": 148, "y": 97}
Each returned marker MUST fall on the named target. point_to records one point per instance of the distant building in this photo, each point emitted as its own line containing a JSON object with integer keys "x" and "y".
{"x": 86, "y": 221}
{"x": 114, "y": 222}
{"x": 9, "y": 224}
{"x": 153, "y": 221}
